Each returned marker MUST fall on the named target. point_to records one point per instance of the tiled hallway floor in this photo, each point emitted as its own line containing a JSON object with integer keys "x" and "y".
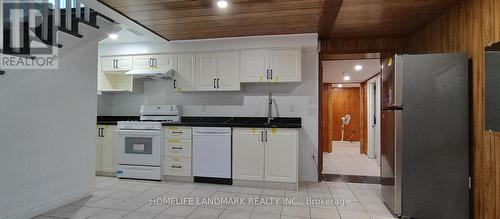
{"x": 345, "y": 159}
{"x": 114, "y": 198}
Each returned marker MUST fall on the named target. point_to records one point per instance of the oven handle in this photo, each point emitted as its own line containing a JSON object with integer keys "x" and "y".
{"x": 140, "y": 132}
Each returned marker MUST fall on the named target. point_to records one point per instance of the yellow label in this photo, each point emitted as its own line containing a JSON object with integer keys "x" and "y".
{"x": 277, "y": 78}
{"x": 261, "y": 78}
{"x": 390, "y": 62}
{"x": 254, "y": 130}
{"x": 172, "y": 128}
{"x": 274, "y": 130}
{"x": 174, "y": 140}
{"x": 179, "y": 89}
{"x": 106, "y": 126}
{"x": 176, "y": 158}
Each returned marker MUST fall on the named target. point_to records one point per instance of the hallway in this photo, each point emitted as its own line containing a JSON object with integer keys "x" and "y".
{"x": 345, "y": 159}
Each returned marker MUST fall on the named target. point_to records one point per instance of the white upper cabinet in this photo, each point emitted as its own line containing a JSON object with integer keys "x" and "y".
{"x": 271, "y": 65}
{"x": 116, "y": 63}
{"x": 254, "y": 65}
{"x": 285, "y": 65}
{"x": 206, "y": 78}
{"x": 184, "y": 66}
{"x": 218, "y": 71}
{"x": 227, "y": 68}
{"x": 154, "y": 62}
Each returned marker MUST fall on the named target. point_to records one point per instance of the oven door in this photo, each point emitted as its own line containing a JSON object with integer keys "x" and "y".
{"x": 140, "y": 147}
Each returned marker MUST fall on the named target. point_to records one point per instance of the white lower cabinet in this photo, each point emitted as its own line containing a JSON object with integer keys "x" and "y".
{"x": 105, "y": 161}
{"x": 268, "y": 155}
{"x": 248, "y": 154}
{"x": 177, "y": 151}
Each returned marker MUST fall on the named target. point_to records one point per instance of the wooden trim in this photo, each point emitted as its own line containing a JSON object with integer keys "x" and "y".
{"x": 320, "y": 117}
{"x": 333, "y": 57}
{"x": 331, "y": 9}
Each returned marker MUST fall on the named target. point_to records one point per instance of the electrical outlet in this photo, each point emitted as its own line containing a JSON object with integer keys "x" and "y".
{"x": 292, "y": 108}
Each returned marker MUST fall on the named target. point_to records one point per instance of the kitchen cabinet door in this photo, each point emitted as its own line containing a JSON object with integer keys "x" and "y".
{"x": 281, "y": 155}
{"x": 116, "y": 63}
{"x": 108, "y": 64}
{"x": 205, "y": 72}
{"x": 285, "y": 65}
{"x": 254, "y": 65}
{"x": 185, "y": 72}
{"x": 108, "y": 148}
{"x": 154, "y": 62}
{"x": 227, "y": 67}
{"x": 124, "y": 63}
{"x": 248, "y": 154}
{"x": 98, "y": 151}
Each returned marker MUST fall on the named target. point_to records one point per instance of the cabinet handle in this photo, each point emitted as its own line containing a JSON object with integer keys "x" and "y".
{"x": 150, "y": 62}
{"x": 175, "y": 85}
{"x": 117, "y": 66}
{"x": 262, "y": 136}
{"x": 217, "y": 82}
{"x": 178, "y": 167}
{"x": 156, "y": 62}
{"x": 271, "y": 74}
{"x": 267, "y": 73}
{"x": 102, "y": 131}
{"x": 214, "y": 83}
{"x": 177, "y": 132}
{"x": 266, "y": 136}
{"x": 177, "y": 148}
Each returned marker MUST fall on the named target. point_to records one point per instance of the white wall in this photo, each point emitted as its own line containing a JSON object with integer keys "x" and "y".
{"x": 47, "y": 136}
{"x": 251, "y": 101}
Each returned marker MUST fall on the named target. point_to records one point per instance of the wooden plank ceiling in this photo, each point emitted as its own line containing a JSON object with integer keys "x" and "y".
{"x": 200, "y": 19}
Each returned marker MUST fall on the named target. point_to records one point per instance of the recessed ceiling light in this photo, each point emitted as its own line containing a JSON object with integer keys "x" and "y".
{"x": 358, "y": 67}
{"x": 346, "y": 77}
{"x": 113, "y": 36}
{"x": 339, "y": 85}
{"x": 222, "y": 4}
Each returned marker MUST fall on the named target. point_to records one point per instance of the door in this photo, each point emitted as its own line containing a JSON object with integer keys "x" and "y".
{"x": 185, "y": 73}
{"x": 388, "y": 162}
{"x": 205, "y": 72}
{"x": 254, "y": 65}
{"x": 108, "y": 148}
{"x": 227, "y": 67}
{"x": 248, "y": 154}
{"x": 98, "y": 151}
{"x": 280, "y": 155}
{"x": 139, "y": 147}
{"x": 285, "y": 65}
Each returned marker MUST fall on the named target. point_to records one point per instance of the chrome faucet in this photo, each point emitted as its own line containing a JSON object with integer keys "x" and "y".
{"x": 270, "y": 108}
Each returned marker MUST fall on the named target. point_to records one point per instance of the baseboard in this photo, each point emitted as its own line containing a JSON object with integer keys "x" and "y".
{"x": 49, "y": 206}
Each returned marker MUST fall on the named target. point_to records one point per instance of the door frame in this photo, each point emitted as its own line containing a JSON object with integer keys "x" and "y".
{"x": 373, "y": 108}
{"x": 331, "y": 57}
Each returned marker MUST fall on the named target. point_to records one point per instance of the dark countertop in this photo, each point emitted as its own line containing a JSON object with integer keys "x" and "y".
{"x": 251, "y": 122}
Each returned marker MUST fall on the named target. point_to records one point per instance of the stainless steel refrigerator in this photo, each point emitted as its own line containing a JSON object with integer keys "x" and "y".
{"x": 425, "y": 135}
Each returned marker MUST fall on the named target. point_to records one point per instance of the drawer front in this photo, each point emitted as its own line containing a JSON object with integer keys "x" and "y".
{"x": 177, "y": 132}
{"x": 177, "y": 166}
{"x": 180, "y": 147}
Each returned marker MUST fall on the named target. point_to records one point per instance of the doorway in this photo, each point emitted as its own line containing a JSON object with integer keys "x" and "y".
{"x": 350, "y": 130}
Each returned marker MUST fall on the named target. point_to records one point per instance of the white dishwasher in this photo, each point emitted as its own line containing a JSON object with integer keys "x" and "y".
{"x": 212, "y": 155}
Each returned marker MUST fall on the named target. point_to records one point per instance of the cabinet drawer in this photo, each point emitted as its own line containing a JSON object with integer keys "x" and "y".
{"x": 177, "y": 132}
{"x": 177, "y": 166}
{"x": 178, "y": 147}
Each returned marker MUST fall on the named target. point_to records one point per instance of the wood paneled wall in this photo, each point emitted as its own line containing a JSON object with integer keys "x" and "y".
{"x": 345, "y": 101}
{"x": 469, "y": 27}
{"x": 326, "y": 130}
{"x": 363, "y": 95}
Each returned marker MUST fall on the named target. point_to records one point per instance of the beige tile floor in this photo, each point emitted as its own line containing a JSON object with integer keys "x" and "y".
{"x": 118, "y": 198}
{"x": 345, "y": 159}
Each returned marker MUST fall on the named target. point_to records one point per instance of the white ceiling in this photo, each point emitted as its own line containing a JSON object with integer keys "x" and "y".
{"x": 126, "y": 36}
{"x": 333, "y": 70}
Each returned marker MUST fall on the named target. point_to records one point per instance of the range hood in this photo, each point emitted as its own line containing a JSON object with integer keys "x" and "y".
{"x": 151, "y": 74}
